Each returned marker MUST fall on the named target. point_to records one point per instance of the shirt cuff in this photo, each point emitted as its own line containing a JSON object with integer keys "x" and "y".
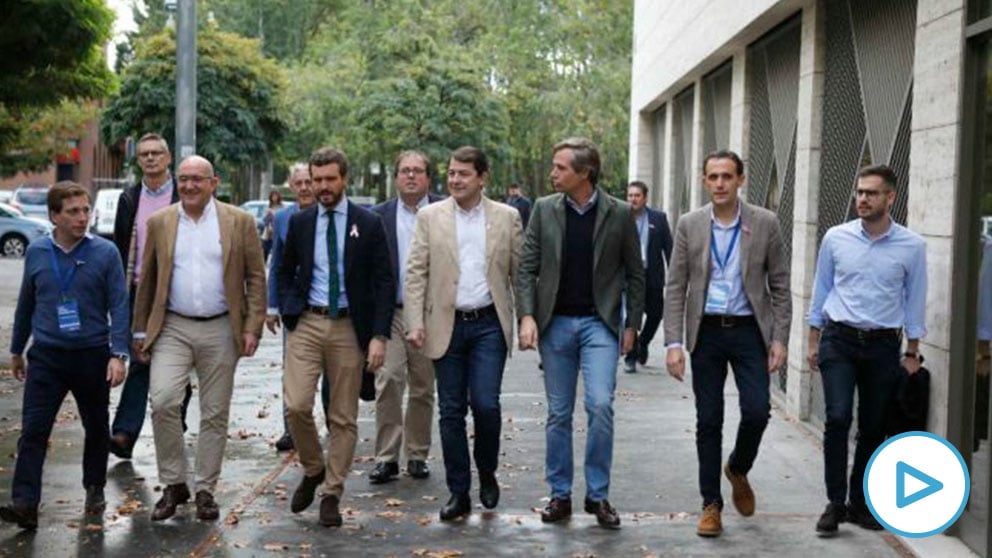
{"x": 676, "y": 345}
{"x": 139, "y": 335}
{"x": 272, "y": 311}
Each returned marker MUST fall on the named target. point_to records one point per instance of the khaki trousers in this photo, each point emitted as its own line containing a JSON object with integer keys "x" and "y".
{"x": 317, "y": 346}
{"x": 403, "y": 363}
{"x": 210, "y": 348}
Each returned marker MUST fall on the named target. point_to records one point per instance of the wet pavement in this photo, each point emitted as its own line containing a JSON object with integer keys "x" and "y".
{"x": 653, "y": 487}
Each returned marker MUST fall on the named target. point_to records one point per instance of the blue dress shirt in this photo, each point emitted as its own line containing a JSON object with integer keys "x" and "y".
{"x": 871, "y": 284}
{"x": 321, "y": 274}
{"x": 737, "y": 303}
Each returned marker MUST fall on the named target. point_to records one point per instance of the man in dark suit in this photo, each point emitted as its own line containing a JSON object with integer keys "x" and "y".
{"x": 656, "y": 251}
{"x": 337, "y": 295}
{"x": 404, "y": 365}
{"x": 522, "y": 203}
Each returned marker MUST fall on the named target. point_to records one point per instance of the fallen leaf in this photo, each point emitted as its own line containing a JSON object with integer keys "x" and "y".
{"x": 275, "y": 547}
{"x": 390, "y": 514}
{"x": 394, "y": 502}
{"x": 232, "y": 519}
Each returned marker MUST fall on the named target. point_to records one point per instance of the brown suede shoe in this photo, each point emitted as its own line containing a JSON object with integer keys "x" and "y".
{"x": 710, "y": 524}
{"x": 743, "y": 495}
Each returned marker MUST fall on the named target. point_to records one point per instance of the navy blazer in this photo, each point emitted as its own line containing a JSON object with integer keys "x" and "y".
{"x": 659, "y": 246}
{"x": 368, "y": 278}
{"x": 387, "y": 210}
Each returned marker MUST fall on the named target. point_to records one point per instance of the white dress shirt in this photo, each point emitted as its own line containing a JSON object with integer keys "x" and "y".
{"x": 197, "y": 285}
{"x": 406, "y": 221}
{"x": 470, "y": 232}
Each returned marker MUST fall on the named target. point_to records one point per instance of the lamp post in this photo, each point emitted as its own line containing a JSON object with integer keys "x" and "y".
{"x": 185, "y": 140}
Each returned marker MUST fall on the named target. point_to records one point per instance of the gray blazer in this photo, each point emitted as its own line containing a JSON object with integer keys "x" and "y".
{"x": 617, "y": 264}
{"x": 764, "y": 268}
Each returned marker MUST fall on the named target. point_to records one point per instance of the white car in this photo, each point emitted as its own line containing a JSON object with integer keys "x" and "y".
{"x": 105, "y": 212}
{"x": 17, "y": 231}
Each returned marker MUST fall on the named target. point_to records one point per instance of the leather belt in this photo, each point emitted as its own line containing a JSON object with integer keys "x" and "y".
{"x": 326, "y": 311}
{"x": 727, "y": 321}
{"x": 865, "y": 334}
{"x": 476, "y": 314}
{"x": 199, "y": 318}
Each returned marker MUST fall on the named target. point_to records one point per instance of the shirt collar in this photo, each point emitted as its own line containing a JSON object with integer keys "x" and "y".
{"x": 420, "y": 204}
{"x": 165, "y": 188}
{"x": 861, "y": 229}
{"x": 208, "y": 210}
{"x": 474, "y": 212}
{"x": 341, "y": 208}
{"x": 71, "y": 248}
{"x": 732, "y": 224}
{"x": 581, "y": 210}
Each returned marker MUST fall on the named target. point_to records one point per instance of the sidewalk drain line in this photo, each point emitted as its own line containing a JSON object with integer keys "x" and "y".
{"x": 214, "y": 535}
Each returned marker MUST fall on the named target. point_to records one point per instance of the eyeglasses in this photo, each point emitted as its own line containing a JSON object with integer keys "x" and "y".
{"x": 194, "y": 179}
{"x": 412, "y": 171}
{"x": 152, "y": 154}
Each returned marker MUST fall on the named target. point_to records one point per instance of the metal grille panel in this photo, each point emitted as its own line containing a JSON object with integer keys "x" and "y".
{"x": 716, "y": 103}
{"x": 681, "y": 169}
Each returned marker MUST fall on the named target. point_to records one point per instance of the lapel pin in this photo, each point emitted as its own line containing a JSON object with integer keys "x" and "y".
{"x": 354, "y": 231}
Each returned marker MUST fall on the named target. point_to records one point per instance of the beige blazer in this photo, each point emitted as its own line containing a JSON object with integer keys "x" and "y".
{"x": 764, "y": 270}
{"x": 244, "y": 272}
{"x": 432, "y": 271}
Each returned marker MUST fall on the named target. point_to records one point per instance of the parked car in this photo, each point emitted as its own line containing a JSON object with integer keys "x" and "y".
{"x": 257, "y": 209}
{"x": 17, "y": 231}
{"x": 105, "y": 212}
{"x": 6, "y": 196}
{"x": 31, "y": 200}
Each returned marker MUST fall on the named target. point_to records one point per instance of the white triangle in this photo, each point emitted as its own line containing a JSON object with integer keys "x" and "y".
{"x": 914, "y": 485}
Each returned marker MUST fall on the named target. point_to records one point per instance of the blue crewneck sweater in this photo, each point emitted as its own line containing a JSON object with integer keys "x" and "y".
{"x": 98, "y": 288}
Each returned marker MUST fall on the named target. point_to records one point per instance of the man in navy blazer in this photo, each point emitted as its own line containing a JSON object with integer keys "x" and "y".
{"x": 337, "y": 295}
{"x": 656, "y": 252}
{"x": 405, "y": 368}
{"x": 299, "y": 185}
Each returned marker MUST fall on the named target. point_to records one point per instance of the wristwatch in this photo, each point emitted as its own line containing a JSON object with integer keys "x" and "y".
{"x": 123, "y": 357}
{"x": 916, "y": 355}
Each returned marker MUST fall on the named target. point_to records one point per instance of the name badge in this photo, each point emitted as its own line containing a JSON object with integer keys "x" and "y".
{"x": 68, "y": 312}
{"x": 718, "y": 296}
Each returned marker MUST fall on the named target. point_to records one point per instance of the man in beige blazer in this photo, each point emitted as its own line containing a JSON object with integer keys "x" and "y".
{"x": 728, "y": 287}
{"x": 459, "y": 311}
{"x": 200, "y": 304}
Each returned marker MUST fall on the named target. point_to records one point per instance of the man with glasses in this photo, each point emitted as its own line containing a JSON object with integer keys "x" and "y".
{"x": 155, "y": 191}
{"x": 299, "y": 185}
{"x": 201, "y": 305}
{"x": 870, "y": 287}
{"x": 404, "y": 366}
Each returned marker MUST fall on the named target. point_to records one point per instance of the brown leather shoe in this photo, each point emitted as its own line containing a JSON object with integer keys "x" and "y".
{"x": 303, "y": 495}
{"x": 206, "y": 506}
{"x": 606, "y": 515}
{"x": 329, "y": 514}
{"x": 743, "y": 495}
{"x": 710, "y": 524}
{"x": 172, "y": 496}
{"x": 557, "y": 510}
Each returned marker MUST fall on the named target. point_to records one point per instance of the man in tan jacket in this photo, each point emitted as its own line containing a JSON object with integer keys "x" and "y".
{"x": 459, "y": 311}
{"x": 728, "y": 288}
{"x": 200, "y": 304}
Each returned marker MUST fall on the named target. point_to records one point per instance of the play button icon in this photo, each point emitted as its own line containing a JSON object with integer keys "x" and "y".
{"x": 916, "y": 484}
{"x": 930, "y": 484}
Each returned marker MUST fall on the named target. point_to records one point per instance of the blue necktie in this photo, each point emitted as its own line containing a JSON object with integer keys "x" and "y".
{"x": 333, "y": 281}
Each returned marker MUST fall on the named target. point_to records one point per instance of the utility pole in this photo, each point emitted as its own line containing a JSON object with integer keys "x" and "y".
{"x": 185, "y": 78}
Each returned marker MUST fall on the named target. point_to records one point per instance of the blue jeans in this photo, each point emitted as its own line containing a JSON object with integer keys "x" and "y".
{"x": 570, "y": 344}
{"x": 51, "y": 374}
{"x": 743, "y": 348}
{"x": 872, "y": 366}
{"x": 470, "y": 374}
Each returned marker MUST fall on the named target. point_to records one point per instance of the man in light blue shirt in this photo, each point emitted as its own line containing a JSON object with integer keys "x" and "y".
{"x": 870, "y": 286}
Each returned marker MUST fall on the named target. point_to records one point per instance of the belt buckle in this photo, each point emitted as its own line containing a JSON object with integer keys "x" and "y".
{"x": 726, "y": 321}
{"x": 470, "y": 315}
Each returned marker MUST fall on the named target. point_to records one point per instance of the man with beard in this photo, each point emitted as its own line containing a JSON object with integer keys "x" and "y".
{"x": 870, "y": 288}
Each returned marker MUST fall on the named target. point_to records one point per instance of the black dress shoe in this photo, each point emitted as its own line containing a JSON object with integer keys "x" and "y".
{"x": 26, "y": 517}
{"x": 630, "y": 363}
{"x": 488, "y": 490}
{"x": 384, "y": 472}
{"x": 458, "y": 506}
{"x": 642, "y": 355}
{"x": 418, "y": 469}
{"x": 557, "y": 510}
{"x": 206, "y": 506}
{"x": 330, "y": 516}
{"x": 303, "y": 496}
{"x": 606, "y": 515}
{"x": 284, "y": 443}
{"x": 121, "y": 445}
{"x": 859, "y": 515}
{"x": 95, "y": 502}
{"x": 172, "y": 496}
{"x": 834, "y": 515}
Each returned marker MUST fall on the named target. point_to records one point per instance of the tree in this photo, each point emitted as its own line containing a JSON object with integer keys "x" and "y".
{"x": 53, "y": 60}
{"x": 240, "y": 110}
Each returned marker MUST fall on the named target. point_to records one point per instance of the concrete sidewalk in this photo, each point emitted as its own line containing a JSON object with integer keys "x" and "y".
{"x": 654, "y": 487}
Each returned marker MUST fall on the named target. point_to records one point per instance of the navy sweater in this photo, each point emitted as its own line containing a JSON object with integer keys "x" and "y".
{"x": 98, "y": 289}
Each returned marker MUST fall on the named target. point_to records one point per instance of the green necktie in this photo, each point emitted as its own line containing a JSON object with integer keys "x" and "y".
{"x": 333, "y": 281}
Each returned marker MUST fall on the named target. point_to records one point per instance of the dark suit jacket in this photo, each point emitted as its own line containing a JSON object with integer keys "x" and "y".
{"x": 523, "y": 205}
{"x": 127, "y": 210}
{"x": 387, "y": 210}
{"x": 368, "y": 278}
{"x": 659, "y": 249}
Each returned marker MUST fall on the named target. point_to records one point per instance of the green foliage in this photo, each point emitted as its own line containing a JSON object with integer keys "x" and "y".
{"x": 39, "y": 134}
{"x": 240, "y": 113}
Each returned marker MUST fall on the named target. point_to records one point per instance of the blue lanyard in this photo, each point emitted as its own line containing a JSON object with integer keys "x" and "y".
{"x": 65, "y": 282}
{"x": 722, "y": 263}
